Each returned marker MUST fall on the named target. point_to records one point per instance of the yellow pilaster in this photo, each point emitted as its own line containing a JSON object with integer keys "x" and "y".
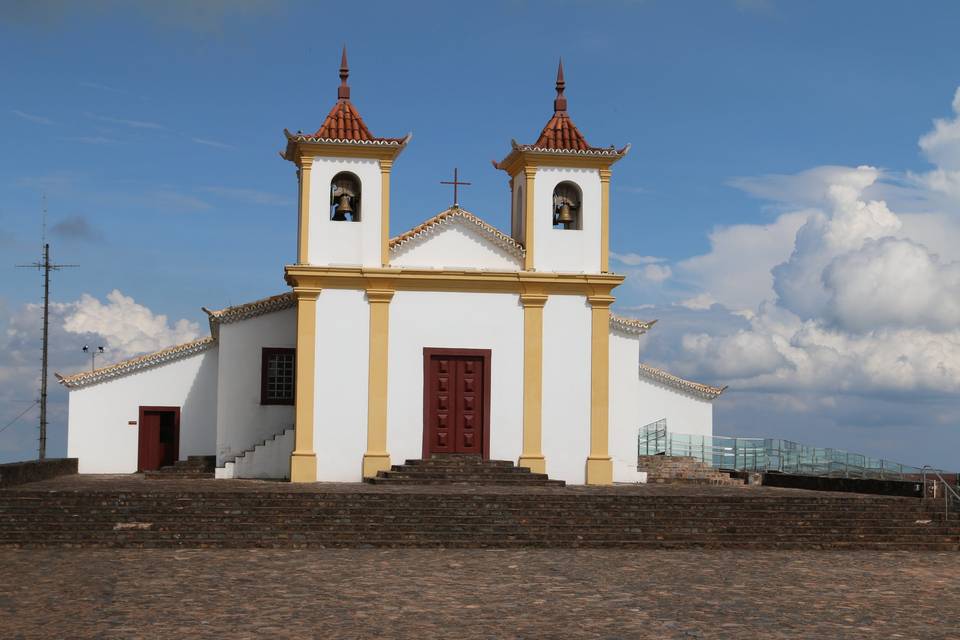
{"x": 604, "y": 220}
{"x": 532, "y": 454}
{"x": 303, "y": 254}
{"x": 599, "y": 463}
{"x": 385, "y": 166}
{"x": 376, "y": 457}
{"x": 303, "y": 460}
{"x": 528, "y": 175}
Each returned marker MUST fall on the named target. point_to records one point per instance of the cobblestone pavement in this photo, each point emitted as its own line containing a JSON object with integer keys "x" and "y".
{"x": 371, "y": 593}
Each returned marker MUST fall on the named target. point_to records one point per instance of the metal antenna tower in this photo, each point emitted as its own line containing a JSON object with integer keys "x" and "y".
{"x": 46, "y": 266}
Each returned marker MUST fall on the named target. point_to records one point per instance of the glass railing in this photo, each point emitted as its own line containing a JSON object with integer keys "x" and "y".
{"x": 767, "y": 454}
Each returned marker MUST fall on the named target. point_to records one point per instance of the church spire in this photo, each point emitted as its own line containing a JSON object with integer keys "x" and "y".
{"x": 560, "y": 102}
{"x": 343, "y": 91}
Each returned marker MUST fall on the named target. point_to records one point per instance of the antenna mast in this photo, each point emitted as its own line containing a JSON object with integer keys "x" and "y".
{"x": 46, "y": 266}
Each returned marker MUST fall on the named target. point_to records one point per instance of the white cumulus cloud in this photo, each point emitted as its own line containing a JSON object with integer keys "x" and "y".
{"x": 127, "y": 327}
{"x": 842, "y": 294}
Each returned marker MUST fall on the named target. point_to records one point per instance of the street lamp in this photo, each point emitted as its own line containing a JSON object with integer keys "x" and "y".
{"x": 93, "y": 356}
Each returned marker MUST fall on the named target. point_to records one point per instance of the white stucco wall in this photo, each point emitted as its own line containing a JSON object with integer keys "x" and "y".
{"x": 457, "y": 243}
{"x": 241, "y": 420}
{"x": 98, "y": 433}
{"x": 344, "y": 242}
{"x": 340, "y": 407}
{"x": 685, "y": 413}
{"x": 455, "y": 320}
{"x": 562, "y": 249}
{"x": 625, "y": 405}
{"x": 566, "y": 387}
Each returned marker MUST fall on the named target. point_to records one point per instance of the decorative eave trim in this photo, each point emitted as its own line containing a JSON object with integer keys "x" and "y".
{"x": 705, "y": 391}
{"x": 630, "y": 325}
{"x": 306, "y": 137}
{"x": 126, "y": 367}
{"x": 451, "y": 215}
{"x": 539, "y": 156}
{"x": 253, "y": 309}
{"x": 377, "y": 146}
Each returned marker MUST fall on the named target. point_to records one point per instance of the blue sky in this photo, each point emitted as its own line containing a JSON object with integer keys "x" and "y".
{"x": 153, "y": 131}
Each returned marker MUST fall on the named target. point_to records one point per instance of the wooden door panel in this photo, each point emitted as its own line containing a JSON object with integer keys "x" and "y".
{"x": 158, "y": 440}
{"x": 455, "y": 404}
{"x": 440, "y": 430}
{"x": 149, "y": 442}
{"x": 468, "y": 417}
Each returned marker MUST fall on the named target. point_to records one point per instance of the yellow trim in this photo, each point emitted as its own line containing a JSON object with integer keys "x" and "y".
{"x": 301, "y": 150}
{"x": 599, "y": 463}
{"x": 376, "y": 458}
{"x": 532, "y": 455}
{"x": 604, "y": 220}
{"x": 303, "y": 255}
{"x": 518, "y": 160}
{"x": 385, "y": 166}
{"x": 413, "y": 279}
{"x": 303, "y": 460}
{"x": 529, "y": 173}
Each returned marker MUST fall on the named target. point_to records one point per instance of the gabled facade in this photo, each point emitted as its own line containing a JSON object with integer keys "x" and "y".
{"x": 453, "y": 337}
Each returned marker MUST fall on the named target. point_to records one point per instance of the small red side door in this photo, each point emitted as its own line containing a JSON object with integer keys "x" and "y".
{"x": 159, "y": 438}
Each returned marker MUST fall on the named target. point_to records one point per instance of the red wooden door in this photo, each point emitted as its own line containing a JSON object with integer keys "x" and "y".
{"x": 456, "y": 401}
{"x": 158, "y": 442}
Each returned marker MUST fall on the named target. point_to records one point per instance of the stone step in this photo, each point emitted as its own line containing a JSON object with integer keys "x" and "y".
{"x": 429, "y": 468}
{"x": 459, "y": 540}
{"x": 464, "y": 479}
{"x": 526, "y": 500}
{"x": 237, "y": 523}
{"x": 459, "y": 461}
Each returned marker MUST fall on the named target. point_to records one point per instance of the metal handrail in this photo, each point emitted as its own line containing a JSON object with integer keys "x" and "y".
{"x": 769, "y": 454}
{"x": 946, "y": 494}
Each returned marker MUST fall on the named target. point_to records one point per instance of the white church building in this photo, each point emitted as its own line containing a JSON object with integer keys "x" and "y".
{"x": 452, "y": 337}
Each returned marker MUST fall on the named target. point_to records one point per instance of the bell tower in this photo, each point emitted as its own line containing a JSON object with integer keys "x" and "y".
{"x": 344, "y": 179}
{"x": 560, "y": 195}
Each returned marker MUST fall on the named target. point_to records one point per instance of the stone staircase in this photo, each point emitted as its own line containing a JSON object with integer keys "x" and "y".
{"x": 269, "y": 458}
{"x": 461, "y": 469}
{"x": 194, "y": 467}
{"x": 132, "y": 512}
{"x": 682, "y": 470}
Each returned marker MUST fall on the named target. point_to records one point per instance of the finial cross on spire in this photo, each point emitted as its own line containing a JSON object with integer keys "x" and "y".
{"x": 343, "y": 91}
{"x": 456, "y": 182}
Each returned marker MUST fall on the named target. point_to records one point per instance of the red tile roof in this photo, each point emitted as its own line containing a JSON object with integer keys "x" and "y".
{"x": 560, "y": 136}
{"x": 560, "y": 133}
{"x": 344, "y": 123}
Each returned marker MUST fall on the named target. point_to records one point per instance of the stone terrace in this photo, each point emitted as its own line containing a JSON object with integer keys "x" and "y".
{"x": 128, "y": 511}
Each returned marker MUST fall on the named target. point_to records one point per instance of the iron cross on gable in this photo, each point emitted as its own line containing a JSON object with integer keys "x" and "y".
{"x": 456, "y": 183}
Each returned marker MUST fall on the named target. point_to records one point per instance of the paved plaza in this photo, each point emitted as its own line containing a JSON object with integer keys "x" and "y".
{"x": 374, "y": 593}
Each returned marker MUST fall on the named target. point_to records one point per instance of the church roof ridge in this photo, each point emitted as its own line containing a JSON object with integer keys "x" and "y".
{"x": 216, "y": 317}
{"x": 705, "y": 391}
{"x": 130, "y": 365}
{"x": 252, "y": 309}
{"x": 452, "y": 214}
{"x": 630, "y": 325}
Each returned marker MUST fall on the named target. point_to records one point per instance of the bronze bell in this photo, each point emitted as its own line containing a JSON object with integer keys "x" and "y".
{"x": 565, "y": 215}
{"x": 343, "y": 207}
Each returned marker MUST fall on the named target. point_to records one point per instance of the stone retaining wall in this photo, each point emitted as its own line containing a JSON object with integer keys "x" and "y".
{"x": 32, "y": 470}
